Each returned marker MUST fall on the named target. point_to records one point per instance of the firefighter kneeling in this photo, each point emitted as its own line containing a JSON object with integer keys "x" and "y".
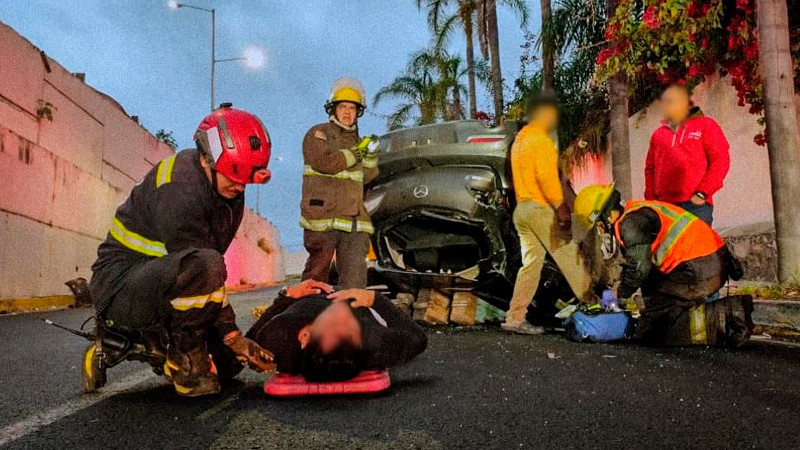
{"x": 161, "y": 266}
{"x": 679, "y": 262}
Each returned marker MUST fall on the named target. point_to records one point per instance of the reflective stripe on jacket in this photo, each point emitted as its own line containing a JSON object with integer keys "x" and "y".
{"x": 362, "y": 226}
{"x": 682, "y": 237}
{"x": 173, "y": 208}
{"x": 333, "y": 180}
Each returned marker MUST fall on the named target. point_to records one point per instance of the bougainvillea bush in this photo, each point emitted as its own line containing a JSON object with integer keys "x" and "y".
{"x": 657, "y": 42}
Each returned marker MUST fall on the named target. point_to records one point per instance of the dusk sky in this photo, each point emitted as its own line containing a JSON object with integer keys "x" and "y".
{"x": 155, "y": 62}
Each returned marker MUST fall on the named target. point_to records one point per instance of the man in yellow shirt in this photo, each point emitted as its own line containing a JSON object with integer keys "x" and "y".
{"x": 542, "y": 219}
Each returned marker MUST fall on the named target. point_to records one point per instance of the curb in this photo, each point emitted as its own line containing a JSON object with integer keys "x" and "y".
{"x": 251, "y": 287}
{"x": 777, "y": 314}
{"x": 32, "y": 304}
{"x": 15, "y": 305}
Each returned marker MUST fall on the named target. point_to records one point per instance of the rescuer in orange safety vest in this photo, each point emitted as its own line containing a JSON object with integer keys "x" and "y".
{"x": 679, "y": 262}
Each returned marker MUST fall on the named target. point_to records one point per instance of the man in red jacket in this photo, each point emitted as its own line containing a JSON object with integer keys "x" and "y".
{"x": 688, "y": 156}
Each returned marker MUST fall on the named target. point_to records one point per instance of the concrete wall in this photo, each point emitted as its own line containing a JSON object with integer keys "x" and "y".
{"x": 255, "y": 255}
{"x": 61, "y": 180}
{"x": 296, "y": 262}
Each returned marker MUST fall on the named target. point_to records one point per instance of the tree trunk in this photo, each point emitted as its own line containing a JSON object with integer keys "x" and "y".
{"x": 547, "y": 49}
{"x": 494, "y": 55}
{"x": 782, "y": 134}
{"x": 619, "y": 137}
{"x": 473, "y": 101}
{"x": 458, "y": 110}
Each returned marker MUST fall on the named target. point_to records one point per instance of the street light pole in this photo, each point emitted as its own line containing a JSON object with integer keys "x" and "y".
{"x": 253, "y": 56}
{"x": 176, "y": 5}
{"x": 213, "y": 53}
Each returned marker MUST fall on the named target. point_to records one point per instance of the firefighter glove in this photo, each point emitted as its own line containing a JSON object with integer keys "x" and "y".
{"x": 247, "y": 351}
{"x": 361, "y": 149}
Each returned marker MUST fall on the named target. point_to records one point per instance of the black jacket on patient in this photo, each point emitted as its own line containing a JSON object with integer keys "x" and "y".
{"x": 389, "y": 337}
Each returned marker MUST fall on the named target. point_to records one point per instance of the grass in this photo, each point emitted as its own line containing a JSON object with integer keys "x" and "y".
{"x": 772, "y": 291}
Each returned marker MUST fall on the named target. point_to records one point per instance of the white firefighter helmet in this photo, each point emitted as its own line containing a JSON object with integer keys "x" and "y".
{"x": 347, "y": 89}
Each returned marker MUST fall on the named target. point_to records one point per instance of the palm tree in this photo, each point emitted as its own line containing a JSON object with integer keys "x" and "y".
{"x": 548, "y": 44}
{"x": 490, "y": 42}
{"x": 575, "y": 30}
{"x": 782, "y": 134}
{"x": 444, "y": 25}
{"x": 430, "y": 87}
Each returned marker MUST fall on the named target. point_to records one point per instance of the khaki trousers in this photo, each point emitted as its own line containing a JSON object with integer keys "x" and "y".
{"x": 539, "y": 235}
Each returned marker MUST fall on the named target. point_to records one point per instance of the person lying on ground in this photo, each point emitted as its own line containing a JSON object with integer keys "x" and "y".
{"x": 329, "y": 335}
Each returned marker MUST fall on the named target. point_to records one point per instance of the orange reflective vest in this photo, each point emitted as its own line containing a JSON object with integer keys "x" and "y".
{"x": 683, "y": 237}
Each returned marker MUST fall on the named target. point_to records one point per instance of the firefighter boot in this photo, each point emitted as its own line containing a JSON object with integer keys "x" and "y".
{"x": 189, "y": 366}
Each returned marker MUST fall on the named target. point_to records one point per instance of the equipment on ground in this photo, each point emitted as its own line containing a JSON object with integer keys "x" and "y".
{"x": 598, "y": 325}
{"x": 285, "y": 385}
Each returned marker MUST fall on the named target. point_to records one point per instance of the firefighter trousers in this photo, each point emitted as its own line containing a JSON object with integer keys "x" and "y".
{"x": 678, "y": 312}
{"x": 350, "y": 249}
{"x": 179, "y": 291}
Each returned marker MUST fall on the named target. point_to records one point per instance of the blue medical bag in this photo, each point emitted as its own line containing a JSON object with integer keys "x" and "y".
{"x": 599, "y": 326}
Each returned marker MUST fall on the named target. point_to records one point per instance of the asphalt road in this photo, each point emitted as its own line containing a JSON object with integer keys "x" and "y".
{"x": 475, "y": 388}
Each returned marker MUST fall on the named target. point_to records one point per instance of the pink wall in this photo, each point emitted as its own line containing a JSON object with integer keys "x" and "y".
{"x": 61, "y": 181}
{"x": 746, "y": 198}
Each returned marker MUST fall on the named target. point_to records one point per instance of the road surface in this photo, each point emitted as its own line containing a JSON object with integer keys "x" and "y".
{"x": 475, "y": 388}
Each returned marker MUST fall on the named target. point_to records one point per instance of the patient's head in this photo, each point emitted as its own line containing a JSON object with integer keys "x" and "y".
{"x": 332, "y": 345}
{"x": 340, "y": 363}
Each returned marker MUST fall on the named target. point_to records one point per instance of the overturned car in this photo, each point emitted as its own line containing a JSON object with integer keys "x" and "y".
{"x": 442, "y": 208}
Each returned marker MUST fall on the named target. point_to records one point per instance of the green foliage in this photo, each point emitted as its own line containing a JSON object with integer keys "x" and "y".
{"x": 429, "y": 90}
{"x": 657, "y": 42}
{"x": 576, "y": 28}
{"x": 167, "y": 138}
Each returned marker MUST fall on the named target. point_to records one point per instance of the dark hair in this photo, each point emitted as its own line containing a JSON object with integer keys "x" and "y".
{"x": 340, "y": 364}
{"x": 539, "y": 99}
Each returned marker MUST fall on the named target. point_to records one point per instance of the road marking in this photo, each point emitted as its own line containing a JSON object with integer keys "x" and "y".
{"x": 33, "y": 423}
{"x": 221, "y": 406}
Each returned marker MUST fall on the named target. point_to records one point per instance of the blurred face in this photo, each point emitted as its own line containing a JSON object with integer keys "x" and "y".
{"x": 675, "y": 104}
{"x": 546, "y": 116}
{"x": 334, "y": 325}
{"x": 346, "y": 113}
{"x": 226, "y": 187}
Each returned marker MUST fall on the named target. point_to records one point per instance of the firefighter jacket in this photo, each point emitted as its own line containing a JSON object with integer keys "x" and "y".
{"x": 173, "y": 208}
{"x": 662, "y": 236}
{"x": 334, "y": 179}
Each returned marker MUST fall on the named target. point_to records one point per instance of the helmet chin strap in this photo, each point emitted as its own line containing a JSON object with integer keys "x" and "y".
{"x": 214, "y": 179}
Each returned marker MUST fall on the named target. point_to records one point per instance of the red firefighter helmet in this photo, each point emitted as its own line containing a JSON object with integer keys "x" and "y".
{"x": 236, "y": 144}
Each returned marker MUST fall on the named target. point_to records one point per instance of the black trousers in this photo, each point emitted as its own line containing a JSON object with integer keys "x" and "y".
{"x": 145, "y": 291}
{"x": 350, "y": 249}
{"x": 677, "y": 311}
{"x": 669, "y": 299}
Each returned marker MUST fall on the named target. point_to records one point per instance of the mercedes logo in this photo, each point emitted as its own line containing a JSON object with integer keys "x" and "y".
{"x": 421, "y": 191}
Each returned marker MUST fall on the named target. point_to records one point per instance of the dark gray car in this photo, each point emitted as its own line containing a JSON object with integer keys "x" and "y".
{"x": 442, "y": 212}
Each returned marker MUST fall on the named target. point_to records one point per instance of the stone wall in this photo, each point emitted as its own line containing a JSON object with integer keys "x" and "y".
{"x": 754, "y": 246}
{"x": 61, "y": 179}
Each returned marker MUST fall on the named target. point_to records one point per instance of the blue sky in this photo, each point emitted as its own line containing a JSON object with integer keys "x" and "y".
{"x": 155, "y": 62}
